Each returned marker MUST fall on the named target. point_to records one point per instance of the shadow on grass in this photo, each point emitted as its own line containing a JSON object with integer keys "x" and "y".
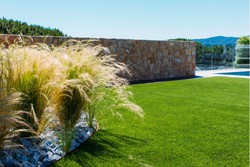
{"x": 102, "y": 147}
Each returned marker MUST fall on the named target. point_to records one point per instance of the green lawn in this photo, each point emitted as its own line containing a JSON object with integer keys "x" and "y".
{"x": 196, "y": 122}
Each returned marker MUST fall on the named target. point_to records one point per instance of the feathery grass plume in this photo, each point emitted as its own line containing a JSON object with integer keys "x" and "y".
{"x": 110, "y": 86}
{"x": 73, "y": 78}
{"x": 88, "y": 77}
{"x": 27, "y": 69}
{"x": 10, "y": 118}
{"x": 71, "y": 91}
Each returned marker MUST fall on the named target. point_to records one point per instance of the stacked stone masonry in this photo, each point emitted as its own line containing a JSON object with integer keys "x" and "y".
{"x": 147, "y": 60}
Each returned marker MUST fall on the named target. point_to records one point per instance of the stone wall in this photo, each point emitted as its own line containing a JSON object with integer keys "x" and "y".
{"x": 147, "y": 60}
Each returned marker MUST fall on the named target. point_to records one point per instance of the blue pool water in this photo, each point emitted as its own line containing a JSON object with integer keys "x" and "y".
{"x": 240, "y": 73}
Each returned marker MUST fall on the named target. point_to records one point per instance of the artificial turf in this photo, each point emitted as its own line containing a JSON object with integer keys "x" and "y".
{"x": 195, "y": 122}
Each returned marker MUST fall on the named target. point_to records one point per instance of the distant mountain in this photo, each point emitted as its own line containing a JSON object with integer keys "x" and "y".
{"x": 218, "y": 40}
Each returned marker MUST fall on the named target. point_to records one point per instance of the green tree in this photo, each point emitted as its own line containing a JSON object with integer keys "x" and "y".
{"x": 242, "y": 48}
{"x": 21, "y": 28}
{"x": 245, "y": 40}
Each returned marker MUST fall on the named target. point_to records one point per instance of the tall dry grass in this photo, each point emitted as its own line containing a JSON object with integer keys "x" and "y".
{"x": 89, "y": 77}
{"x": 70, "y": 79}
{"x": 27, "y": 70}
{"x": 10, "y": 118}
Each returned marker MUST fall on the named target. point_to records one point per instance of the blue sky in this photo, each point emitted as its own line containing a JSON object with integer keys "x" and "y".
{"x": 134, "y": 19}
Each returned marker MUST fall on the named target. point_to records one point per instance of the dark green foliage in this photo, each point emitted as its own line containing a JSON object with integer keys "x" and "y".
{"x": 218, "y": 54}
{"x": 213, "y": 49}
{"x": 198, "y": 50}
{"x": 242, "y": 61}
{"x": 21, "y": 28}
{"x": 179, "y": 39}
{"x": 205, "y": 52}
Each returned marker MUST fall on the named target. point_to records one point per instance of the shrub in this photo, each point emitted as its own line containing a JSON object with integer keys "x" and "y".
{"x": 244, "y": 40}
{"x": 242, "y": 61}
{"x": 242, "y": 54}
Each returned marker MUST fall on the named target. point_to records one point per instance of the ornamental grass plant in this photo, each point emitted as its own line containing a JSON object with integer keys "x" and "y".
{"x": 56, "y": 85}
{"x": 27, "y": 70}
{"x": 10, "y": 118}
{"x": 88, "y": 77}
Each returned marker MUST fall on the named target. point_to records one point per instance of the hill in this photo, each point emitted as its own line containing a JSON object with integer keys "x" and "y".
{"x": 218, "y": 40}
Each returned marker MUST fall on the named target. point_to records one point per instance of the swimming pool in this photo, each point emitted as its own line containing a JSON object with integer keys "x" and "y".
{"x": 240, "y": 73}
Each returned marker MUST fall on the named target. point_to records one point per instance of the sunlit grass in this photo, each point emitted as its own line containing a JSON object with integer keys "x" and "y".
{"x": 197, "y": 122}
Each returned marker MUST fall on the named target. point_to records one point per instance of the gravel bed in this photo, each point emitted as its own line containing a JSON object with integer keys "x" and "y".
{"x": 45, "y": 149}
